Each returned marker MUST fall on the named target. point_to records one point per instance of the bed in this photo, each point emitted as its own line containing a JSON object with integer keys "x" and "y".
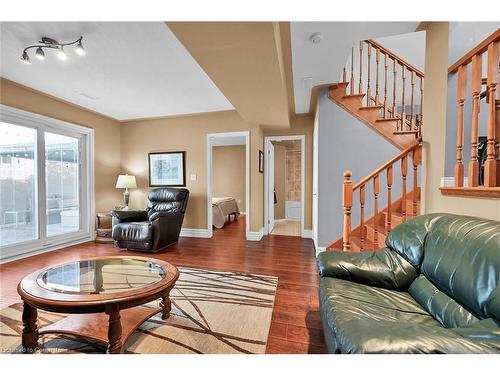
{"x": 223, "y": 207}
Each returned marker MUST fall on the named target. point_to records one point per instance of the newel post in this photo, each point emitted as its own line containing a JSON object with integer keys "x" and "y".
{"x": 347, "y": 203}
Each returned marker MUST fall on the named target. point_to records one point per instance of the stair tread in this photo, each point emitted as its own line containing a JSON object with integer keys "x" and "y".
{"x": 366, "y": 107}
{"x": 388, "y": 119}
{"x": 353, "y": 95}
{"x": 367, "y": 244}
{"x": 380, "y": 228}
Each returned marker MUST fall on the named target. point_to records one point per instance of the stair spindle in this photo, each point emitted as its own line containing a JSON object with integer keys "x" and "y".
{"x": 461, "y": 88}
{"x": 404, "y": 173}
{"x": 347, "y": 202}
{"x": 421, "y": 122}
{"x": 375, "y": 208}
{"x": 476, "y": 91}
{"x": 362, "y": 215}
{"x": 394, "y": 90}
{"x": 386, "y": 68}
{"x": 412, "y": 101}
{"x": 377, "y": 84}
{"x": 403, "y": 101}
{"x": 352, "y": 72}
{"x": 490, "y": 165}
{"x": 416, "y": 155}
{"x": 389, "y": 198}
{"x": 360, "y": 88}
{"x": 368, "y": 88}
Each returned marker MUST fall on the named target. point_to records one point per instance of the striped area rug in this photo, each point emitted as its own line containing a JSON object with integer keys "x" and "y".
{"x": 213, "y": 312}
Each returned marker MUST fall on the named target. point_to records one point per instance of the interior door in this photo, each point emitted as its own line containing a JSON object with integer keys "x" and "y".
{"x": 270, "y": 190}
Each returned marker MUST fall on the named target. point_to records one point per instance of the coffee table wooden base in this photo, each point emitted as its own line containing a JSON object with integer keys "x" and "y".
{"x": 101, "y": 326}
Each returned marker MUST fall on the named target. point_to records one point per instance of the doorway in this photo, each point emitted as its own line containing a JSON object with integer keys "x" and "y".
{"x": 284, "y": 185}
{"x": 228, "y": 192}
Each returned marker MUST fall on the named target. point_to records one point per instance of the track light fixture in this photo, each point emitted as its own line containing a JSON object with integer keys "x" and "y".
{"x": 51, "y": 43}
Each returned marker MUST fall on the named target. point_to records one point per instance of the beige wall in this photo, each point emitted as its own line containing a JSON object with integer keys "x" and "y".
{"x": 279, "y": 181}
{"x": 436, "y": 66}
{"x": 106, "y": 134}
{"x": 228, "y": 168}
{"x": 188, "y": 133}
{"x": 302, "y": 125}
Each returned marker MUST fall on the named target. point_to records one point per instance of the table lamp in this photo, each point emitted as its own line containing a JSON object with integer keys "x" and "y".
{"x": 125, "y": 182}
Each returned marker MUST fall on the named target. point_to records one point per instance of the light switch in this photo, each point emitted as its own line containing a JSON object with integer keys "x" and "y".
{"x": 193, "y": 177}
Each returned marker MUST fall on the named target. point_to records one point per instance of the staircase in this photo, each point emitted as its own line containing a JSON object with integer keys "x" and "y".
{"x": 390, "y": 109}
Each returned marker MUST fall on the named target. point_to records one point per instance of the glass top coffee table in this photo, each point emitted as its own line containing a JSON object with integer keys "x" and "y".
{"x": 102, "y": 295}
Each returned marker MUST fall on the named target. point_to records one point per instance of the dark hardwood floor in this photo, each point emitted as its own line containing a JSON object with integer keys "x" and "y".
{"x": 296, "y": 325}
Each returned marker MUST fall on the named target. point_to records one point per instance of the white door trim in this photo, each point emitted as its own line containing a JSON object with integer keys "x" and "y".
{"x": 267, "y": 141}
{"x": 210, "y": 138}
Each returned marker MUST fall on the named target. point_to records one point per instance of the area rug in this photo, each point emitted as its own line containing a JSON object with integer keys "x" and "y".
{"x": 212, "y": 312}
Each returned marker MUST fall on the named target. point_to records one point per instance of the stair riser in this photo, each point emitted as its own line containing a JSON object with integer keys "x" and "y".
{"x": 370, "y": 235}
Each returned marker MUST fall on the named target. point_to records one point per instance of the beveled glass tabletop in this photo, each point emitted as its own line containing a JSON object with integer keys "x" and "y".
{"x": 101, "y": 276}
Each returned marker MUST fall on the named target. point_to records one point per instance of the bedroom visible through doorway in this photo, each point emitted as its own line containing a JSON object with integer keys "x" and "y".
{"x": 228, "y": 183}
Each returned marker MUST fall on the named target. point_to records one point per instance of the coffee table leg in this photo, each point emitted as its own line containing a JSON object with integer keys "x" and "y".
{"x": 166, "y": 306}
{"x": 30, "y": 330}
{"x": 114, "y": 330}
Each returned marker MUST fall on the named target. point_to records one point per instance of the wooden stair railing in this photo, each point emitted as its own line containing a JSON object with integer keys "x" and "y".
{"x": 393, "y": 104}
{"x": 349, "y": 191}
{"x": 490, "y": 50}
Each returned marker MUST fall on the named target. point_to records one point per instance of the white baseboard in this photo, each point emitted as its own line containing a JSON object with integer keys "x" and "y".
{"x": 198, "y": 233}
{"x": 450, "y": 181}
{"x": 255, "y": 236}
{"x": 320, "y": 249}
{"x": 307, "y": 233}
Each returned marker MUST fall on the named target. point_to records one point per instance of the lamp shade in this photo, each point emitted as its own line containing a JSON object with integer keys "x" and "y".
{"x": 125, "y": 181}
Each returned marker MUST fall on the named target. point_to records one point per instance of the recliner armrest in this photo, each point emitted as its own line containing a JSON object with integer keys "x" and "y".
{"x": 382, "y": 268}
{"x": 130, "y": 215}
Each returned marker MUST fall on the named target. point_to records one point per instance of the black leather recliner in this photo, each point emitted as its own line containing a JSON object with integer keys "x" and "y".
{"x": 154, "y": 228}
{"x": 434, "y": 288}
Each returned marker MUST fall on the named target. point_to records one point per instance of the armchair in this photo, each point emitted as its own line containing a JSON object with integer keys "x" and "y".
{"x": 154, "y": 228}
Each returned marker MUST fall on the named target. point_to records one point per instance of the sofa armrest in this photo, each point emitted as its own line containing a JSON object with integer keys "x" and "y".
{"x": 382, "y": 268}
{"x": 130, "y": 215}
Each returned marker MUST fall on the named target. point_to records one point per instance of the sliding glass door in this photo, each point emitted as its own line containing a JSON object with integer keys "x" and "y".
{"x": 18, "y": 184}
{"x": 61, "y": 187}
{"x": 46, "y": 182}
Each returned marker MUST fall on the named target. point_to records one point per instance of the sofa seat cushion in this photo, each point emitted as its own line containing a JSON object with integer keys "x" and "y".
{"x": 141, "y": 231}
{"x": 364, "y": 319}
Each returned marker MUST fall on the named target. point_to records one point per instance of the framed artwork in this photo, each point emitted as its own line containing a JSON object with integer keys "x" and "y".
{"x": 261, "y": 161}
{"x": 167, "y": 168}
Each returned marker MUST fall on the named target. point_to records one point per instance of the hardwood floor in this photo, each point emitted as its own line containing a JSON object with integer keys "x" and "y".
{"x": 296, "y": 324}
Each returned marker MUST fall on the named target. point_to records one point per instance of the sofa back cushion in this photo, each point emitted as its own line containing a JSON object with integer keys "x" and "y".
{"x": 462, "y": 258}
{"x": 167, "y": 199}
{"x": 442, "y": 307}
{"x": 408, "y": 239}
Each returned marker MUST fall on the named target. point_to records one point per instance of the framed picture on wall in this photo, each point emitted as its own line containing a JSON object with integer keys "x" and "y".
{"x": 261, "y": 161}
{"x": 167, "y": 168}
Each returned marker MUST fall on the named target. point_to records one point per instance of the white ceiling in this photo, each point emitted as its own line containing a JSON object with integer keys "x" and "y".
{"x": 131, "y": 70}
{"x": 316, "y": 64}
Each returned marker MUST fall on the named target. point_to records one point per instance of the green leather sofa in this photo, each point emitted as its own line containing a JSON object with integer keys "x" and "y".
{"x": 434, "y": 288}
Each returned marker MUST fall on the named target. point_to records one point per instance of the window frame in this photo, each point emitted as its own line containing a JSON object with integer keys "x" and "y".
{"x": 85, "y": 137}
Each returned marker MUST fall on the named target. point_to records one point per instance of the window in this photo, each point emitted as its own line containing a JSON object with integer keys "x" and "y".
{"x": 46, "y": 182}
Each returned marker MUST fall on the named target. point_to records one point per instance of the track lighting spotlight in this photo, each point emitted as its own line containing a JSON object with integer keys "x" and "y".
{"x": 51, "y": 43}
{"x": 79, "y": 49}
{"x": 62, "y": 54}
{"x": 25, "y": 58}
{"x": 39, "y": 54}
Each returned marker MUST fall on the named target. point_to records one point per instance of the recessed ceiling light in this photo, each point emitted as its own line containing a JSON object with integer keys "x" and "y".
{"x": 316, "y": 38}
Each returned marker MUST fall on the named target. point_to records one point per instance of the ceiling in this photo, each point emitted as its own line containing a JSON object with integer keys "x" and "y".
{"x": 322, "y": 63}
{"x": 131, "y": 70}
